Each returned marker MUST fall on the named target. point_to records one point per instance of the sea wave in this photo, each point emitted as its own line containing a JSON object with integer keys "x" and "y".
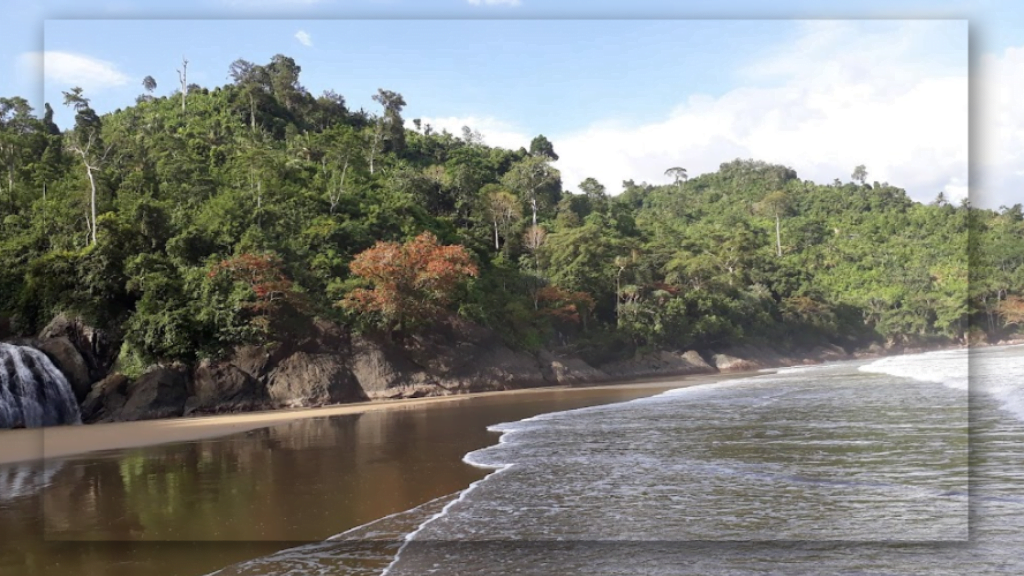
{"x": 947, "y": 367}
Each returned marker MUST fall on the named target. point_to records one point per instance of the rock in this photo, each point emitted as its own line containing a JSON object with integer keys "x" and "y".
{"x": 67, "y": 359}
{"x": 221, "y": 387}
{"x": 496, "y": 367}
{"x": 253, "y": 360}
{"x": 106, "y": 399}
{"x": 382, "y": 371}
{"x": 160, "y": 393}
{"x": 829, "y": 353}
{"x": 696, "y": 362}
{"x": 659, "y": 364}
{"x": 97, "y": 347}
{"x": 569, "y": 370}
{"x": 727, "y": 363}
{"x": 306, "y": 379}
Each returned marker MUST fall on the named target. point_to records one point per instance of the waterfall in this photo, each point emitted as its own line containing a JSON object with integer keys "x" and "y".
{"x": 33, "y": 392}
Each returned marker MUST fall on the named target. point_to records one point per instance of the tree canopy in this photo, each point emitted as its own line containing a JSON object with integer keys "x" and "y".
{"x": 258, "y": 206}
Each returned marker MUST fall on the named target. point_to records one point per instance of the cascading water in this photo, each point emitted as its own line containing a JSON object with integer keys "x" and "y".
{"x": 33, "y": 392}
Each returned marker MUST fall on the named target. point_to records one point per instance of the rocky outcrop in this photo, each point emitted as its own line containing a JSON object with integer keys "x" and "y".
{"x": 69, "y": 361}
{"x": 569, "y": 370}
{"x": 97, "y": 347}
{"x": 383, "y": 372}
{"x": 305, "y": 379}
{"x": 658, "y": 364}
{"x": 222, "y": 387}
{"x": 160, "y": 393}
{"x": 106, "y": 399}
{"x": 455, "y": 357}
{"x": 727, "y": 363}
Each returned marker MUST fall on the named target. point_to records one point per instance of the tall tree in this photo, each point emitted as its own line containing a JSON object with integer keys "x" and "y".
{"x": 775, "y": 204}
{"x": 502, "y": 209}
{"x": 183, "y": 78}
{"x": 389, "y": 128}
{"x": 860, "y": 174}
{"x": 86, "y": 142}
{"x": 531, "y": 178}
{"x": 678, "y": 175}
{"x": 541, "y": 146}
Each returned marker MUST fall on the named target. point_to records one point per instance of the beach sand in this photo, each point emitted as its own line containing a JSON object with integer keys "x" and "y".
{"x": 58, "y": 441}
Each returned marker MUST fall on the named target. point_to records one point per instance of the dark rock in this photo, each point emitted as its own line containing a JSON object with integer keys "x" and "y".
{"x": 496, "y": 367}
{"x": 659, "y": 364}
{"x": 221, "y": 387}
{"x": 97, "y": 347}
{"x": 383, "y": 371}
{"x": 67, "y": 359}
{"x": 160, "y": 393}
{"x": 569, "y": 370}
{"x": 305, "y": 379}
{"x": 253, "y": 360}
{"x": 106, "y": 399}
{"x": 727, "y": 363}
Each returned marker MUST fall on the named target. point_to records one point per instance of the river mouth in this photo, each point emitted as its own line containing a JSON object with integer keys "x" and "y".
{"x": 193, "y": 507}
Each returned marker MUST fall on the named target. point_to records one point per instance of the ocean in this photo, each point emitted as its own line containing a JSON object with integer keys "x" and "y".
{"x": 903, "y": 465}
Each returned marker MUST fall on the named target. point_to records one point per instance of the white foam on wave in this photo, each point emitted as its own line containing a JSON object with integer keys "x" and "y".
{"x": 999, "y": 372}
{"x": 947, "y": 367}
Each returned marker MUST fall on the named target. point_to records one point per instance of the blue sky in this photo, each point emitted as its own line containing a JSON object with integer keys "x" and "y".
{"x": 619, "y": 98}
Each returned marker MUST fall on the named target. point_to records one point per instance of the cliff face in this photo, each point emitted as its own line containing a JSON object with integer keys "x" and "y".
{"x": 332, "y": 365}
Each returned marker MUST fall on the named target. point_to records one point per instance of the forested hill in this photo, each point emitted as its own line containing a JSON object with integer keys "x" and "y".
{"x": 190, "y": 224}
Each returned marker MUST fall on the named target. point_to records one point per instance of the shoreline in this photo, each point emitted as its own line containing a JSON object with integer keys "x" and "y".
{"x": 41, "y": 444}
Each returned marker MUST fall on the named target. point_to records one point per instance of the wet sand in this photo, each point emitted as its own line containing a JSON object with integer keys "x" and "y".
{"x": 56, "y": 442}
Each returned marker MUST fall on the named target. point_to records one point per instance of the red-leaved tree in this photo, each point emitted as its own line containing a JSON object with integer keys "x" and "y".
{"x": 565, "y": 306}
{"x": 263, "y": 273}
{"x": 412, "y": 282}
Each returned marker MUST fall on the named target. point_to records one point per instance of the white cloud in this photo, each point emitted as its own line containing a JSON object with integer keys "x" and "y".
{"x": 494, "y": 131}
{"x": 304, "y": 38}
{"x": 70, "y": 69}
{"x": 999, "y": 177}
{"x": 831, "y": 100}
{"x": 494, "y": 2}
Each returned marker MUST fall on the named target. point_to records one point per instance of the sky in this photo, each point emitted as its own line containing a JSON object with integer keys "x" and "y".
{"x": 624, "y": 90}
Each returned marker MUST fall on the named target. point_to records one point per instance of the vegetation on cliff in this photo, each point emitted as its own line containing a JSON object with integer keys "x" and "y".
{"x": 192, "y": 223}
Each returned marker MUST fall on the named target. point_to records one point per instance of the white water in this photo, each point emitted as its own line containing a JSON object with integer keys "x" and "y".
{"x": 33, "y": 392}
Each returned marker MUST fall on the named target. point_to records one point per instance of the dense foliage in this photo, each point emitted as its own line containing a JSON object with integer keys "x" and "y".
{"x": 191, "y": 223}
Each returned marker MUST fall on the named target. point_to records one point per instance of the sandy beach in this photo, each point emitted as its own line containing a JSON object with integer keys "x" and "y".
{"x": 54, "y": 442}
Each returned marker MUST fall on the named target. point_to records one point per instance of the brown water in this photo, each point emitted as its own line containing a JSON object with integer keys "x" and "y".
{"x": 186, "y": 509}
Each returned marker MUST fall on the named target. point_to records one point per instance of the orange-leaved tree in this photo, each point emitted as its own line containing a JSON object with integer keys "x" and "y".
{"x": 412, "y": 282}
{"x": 565, "y": 306}
{"x": 264, "y": 276}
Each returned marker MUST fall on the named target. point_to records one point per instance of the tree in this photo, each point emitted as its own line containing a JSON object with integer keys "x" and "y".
{"x": 412, "y": 283}
{"x": 389, "y": 128}
{"x": 183, "y": 78}
{"x": 502, "y": 209}
{"x": 264, "y": 276}
{"x": 531, "y": 177}
{"x": 776, "y": 204}
{"x": 149, "y": 84}
{"x": 17, "y": 127}
{"x": 860, "y": 174}
{"x": 87, "y": 143}
{"x": 541, "y": 146}
{"x": 678, "y": 176}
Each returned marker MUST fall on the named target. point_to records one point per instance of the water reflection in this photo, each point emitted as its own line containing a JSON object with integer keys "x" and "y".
{"x": 191, "y": 508}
